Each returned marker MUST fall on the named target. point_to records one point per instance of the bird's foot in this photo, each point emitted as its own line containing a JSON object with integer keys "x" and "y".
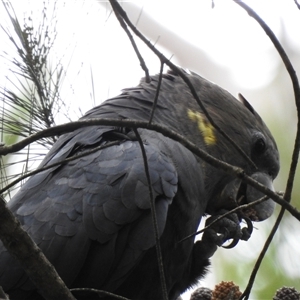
{"x": 225, "y": 229}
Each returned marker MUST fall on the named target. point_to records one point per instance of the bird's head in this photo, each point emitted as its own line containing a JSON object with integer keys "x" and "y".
{"x": 245, "y": 128}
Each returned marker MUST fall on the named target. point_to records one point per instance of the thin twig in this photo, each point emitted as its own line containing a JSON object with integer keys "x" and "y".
{"x": 297, "y": 4}
{"x": 116, "y": 6}
{"x": 154, "y": 219}
{"x": 261, "y": 256}
{"x": 295, "y": 155}
{"x": 157, "y": 92}
{"x": 98, "y": 292}
{"x": 31, "y": 173}
{"x": 136, "y": 50}
{"x": 234, "y": 210}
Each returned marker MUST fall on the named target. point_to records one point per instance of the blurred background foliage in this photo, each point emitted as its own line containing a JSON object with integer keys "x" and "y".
{"x": 59, "y": 60}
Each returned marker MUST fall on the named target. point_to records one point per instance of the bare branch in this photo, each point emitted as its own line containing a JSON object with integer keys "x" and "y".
{"x": 157, "y": 92}
{"x": 261, "y": 256}
{"x": 29, "y": 174}
{"x": 230, "y": 169}
{"x": 3, "y": 296}
{"x": 33, "y": 261}
{"x": 297, "y": 4}
{"x": 100, "y": 293}
{"x": 136, "y": 50}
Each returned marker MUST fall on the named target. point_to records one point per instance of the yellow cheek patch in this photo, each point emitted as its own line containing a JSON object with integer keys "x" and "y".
{"x": 206, "y": 129}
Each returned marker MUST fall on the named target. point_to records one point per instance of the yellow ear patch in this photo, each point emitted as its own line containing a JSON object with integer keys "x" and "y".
{"x": 205, "y": 128}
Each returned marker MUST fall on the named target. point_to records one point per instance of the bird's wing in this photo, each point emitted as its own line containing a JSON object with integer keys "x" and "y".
{"x": 93, "y": 213}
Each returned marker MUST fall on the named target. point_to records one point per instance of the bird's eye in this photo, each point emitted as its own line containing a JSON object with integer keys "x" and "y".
{"x": 259, "y": 146}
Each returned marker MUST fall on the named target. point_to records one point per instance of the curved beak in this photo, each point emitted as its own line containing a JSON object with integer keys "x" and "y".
{"x": 263, "y": 209}
{"x": 236, "y": 193}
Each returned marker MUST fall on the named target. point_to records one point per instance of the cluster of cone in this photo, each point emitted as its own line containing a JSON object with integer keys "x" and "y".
{"x": 227, "y": 290}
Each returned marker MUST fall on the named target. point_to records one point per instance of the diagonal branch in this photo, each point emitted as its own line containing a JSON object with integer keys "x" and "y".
{"x": 297, "y": 4}
{"x": 157, "y": 92}
{"x": 256, "y": 267}
{"x": 33, "y": 261}
{"x": 136, "y": 50}
{"x": 230, "y": 169}
{"x": 29, "y": 174}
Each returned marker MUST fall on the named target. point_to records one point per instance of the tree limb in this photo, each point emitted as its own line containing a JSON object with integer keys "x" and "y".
{"x": 230, "y": 169}
{"x": 20, "y": 245}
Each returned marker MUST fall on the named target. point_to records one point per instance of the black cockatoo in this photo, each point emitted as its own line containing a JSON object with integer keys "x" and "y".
{"x": 92, "y": 216}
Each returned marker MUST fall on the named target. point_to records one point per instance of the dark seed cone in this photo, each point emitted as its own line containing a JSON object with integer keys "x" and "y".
{"x": 287, "y": 293}
{"x": 201, "y": 294}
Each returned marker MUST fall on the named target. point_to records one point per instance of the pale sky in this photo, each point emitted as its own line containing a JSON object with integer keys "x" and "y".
{"x": 90, "y": 34}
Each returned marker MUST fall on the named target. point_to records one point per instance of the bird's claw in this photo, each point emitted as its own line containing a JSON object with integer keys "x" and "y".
{"x": 247, "y": 231}
{"x": 227, "y": 228}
